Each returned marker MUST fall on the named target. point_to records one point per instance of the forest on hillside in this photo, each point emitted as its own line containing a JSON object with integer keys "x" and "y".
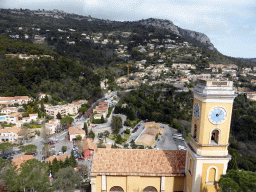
{"x": 61, "y": 77}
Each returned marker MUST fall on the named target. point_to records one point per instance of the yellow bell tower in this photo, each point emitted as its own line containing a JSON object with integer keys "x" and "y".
{"x": 207, "y": 151}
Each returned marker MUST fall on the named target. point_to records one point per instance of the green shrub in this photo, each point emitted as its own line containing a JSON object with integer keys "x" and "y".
{"x": 127, "y": 131}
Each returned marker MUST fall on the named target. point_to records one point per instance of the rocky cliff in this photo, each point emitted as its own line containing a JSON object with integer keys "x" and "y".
{"x": 192, "y": 36}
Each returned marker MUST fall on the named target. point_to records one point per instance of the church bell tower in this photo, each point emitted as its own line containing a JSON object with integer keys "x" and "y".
{"x": 207, "y": 151}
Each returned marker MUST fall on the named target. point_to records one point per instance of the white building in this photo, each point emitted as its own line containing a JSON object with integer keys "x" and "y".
{"x": 9, "y": 134}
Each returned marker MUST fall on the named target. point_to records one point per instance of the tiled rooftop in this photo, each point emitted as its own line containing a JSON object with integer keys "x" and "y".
{"x": 88, "y": 144}
{"x": 21, "y": 159}
{"x": 138, "y": 162}
{"x": 60, "y": 157}
{"x": 10, "y": 129}
{"x": 76, "y": 130}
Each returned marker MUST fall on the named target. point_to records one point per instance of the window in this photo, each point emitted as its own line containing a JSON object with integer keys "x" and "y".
{"x": 190, "y": 166}
{"x": 116, "y": 189}
{"x": 211, "y": 175}
{"x": 215, "y": 137}
{"x": 150, "y": 189}
{"x": 195, "y": 131}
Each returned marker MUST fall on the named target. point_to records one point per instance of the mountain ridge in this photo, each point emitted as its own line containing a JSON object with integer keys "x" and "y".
{"x": 197, "y": 37}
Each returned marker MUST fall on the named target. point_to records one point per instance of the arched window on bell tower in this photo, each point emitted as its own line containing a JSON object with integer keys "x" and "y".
{"x": 195, "y": 131}
{"x": 212, "y": 173}
{"x": 215, "y": 137}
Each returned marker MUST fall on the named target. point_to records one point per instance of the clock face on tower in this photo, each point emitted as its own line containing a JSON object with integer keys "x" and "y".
{"x": 217, "y": 115}
{"x": 196, "y": 111}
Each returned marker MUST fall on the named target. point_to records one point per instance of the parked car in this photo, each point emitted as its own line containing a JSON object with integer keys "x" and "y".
{"x": 179, "y": 138}
{"x": 180, "y": 147}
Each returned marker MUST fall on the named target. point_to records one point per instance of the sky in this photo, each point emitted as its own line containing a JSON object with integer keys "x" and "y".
{"x": 230, "y": 24}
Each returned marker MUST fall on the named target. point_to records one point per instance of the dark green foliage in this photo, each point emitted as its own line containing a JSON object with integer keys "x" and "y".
{"x": 239, "y": 161}
{"x": 29, "y": 149}
{"x": 127, "y": 131}
{"x": 5, "y": 146}
{"x": 154, "y": 105}
{"x": 238, "y": 181}
{"x": 33, "y": 175}
{"x": 243, "y": 125}
{"x": 97, "y": 121}
{"x": 66, "y": 120}
{"x": 59, "y": 116}
{"x": 82, "y": 109}
{"x": 114, "y": 146}
{"x": 116, "y": 124}
{"x": 91, "y": 134}
{"x": 64, "y": 149}
{"x": 67, "y": 179}
{"x": 133, "y": 145}
{"x": 85, "y": 128}
{"x": 109, "y": 111}
{"x": 102, "y": 119}
{"x": 79, "y": 137}
{"x": 61, "y": 77}
{"x": 73, "y": 161}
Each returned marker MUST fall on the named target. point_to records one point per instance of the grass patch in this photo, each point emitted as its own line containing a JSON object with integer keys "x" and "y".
{"x": 126, "y": 136}
{"x": 188, "y": 138}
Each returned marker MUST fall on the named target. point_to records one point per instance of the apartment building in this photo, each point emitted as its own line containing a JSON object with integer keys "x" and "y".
{"x": 64, "y": 110}
{"x": 9, "y": 134}
{"x": 8, "y": 110}
{"x": 52, "y": 126}
{"x": 15, "y": 100}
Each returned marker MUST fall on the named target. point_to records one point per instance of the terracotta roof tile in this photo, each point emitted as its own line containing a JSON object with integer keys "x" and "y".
{"x": 21, "y": 159}
{"x": 10, "y": 129}
{"x": 138, "y": 162}
{"x": 75, "y": 130}
{"x": 88, "y": 144}
{"x": 60, "y": 157}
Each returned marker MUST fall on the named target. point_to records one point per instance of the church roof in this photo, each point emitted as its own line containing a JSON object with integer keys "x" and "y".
{"x": 143, "y": 162}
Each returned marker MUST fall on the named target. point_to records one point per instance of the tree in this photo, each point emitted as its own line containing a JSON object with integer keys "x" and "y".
{"x": 29, "y": 149}
{"x": 33, "y": 174}
{"x": 106, "y": 134}
{"x": 91, "y": 134}
{"x": 45, "y": 133}
{"x": 102, "y": 119}
{"x": 5, "y": 146}
{"x": 79, "y": 145}
{"x": 82, "y": 109}
{"x": 85, "y": 128}
{"x": 67, "y": 179}
{"x": 79, "y": 137}
{"x": 238, "y": 181}
{"x": 64, "y": 149}
{"x": 66, "y": 120}
{"x": 72, "y": 159}
{"x": 42, "y": 106}
{"x": 116, "y": 124}
{"x": 118, "y": 139}
{"x": 59, "y": 116}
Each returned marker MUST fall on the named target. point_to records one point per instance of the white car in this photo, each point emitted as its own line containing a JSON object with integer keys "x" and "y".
{"x": 180, "y": 147}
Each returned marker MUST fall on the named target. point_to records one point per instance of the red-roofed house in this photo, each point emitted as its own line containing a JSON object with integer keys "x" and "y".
{"x": 88, "y": 147}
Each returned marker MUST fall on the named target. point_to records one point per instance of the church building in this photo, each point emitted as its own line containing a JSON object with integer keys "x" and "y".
{"x": 194, "y": 170}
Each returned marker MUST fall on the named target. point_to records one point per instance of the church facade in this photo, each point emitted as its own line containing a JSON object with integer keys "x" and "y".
{"x": 194, "y": 170}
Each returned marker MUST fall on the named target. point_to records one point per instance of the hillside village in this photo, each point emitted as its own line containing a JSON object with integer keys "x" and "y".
{"x": 141, "y": 74}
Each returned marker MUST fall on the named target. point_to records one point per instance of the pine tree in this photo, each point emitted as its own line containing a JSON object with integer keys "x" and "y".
{"x": 42, "y": 106}
{"x": 59, "y": 116}
{"x": 73, "y": 159}
{"x": 67, "y": 162}
{"x": 85, "y": 128}
{"x": 102, "y": 119}
{"x": 232, "y": 164}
